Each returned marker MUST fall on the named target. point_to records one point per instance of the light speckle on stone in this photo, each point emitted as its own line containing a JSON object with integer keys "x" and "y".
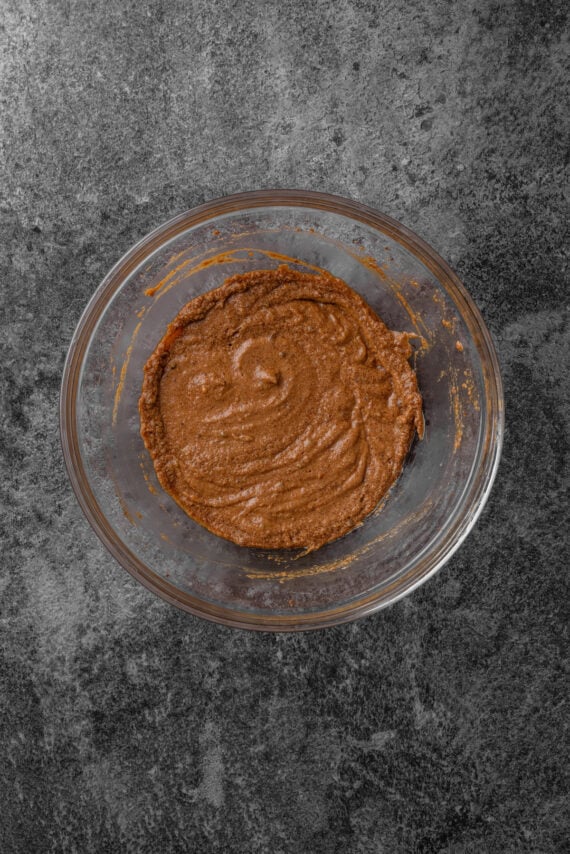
{"x": 212, "y": 786}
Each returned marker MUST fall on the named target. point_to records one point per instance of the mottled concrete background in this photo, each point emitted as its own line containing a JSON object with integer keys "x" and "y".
{"x": 436, "y": 726}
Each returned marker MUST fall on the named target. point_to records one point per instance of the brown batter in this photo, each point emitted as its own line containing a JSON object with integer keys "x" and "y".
{"x": 278, "y": 409}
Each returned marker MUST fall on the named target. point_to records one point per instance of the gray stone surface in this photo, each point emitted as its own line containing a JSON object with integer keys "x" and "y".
{"x": 435, "y": 726}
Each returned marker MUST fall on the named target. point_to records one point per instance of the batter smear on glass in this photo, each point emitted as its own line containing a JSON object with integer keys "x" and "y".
{"x": 278, "y": 408}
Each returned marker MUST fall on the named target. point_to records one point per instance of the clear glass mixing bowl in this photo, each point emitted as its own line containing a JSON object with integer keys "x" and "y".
{"x": 428, "y": 512}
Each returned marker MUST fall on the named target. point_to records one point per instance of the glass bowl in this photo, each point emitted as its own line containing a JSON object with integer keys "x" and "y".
{"x": 428, "y": 512}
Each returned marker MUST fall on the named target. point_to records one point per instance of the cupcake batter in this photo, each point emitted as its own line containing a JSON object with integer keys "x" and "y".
{"x": 278, "y": 409}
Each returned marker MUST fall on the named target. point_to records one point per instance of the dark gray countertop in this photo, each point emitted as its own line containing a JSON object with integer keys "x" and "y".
{"x": 435, "y": 726}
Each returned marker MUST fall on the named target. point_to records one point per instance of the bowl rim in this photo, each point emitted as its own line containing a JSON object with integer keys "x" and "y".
{"x": 477, "y": 489}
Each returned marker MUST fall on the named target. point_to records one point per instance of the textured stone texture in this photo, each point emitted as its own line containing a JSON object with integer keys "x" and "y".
{"x": 436, "y": 726}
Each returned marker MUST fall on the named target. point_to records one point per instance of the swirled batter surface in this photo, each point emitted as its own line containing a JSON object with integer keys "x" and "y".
{"x": 278, "y": 408}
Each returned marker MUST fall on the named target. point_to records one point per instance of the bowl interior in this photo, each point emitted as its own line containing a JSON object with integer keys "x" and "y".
{"x": 427, "y": 511}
